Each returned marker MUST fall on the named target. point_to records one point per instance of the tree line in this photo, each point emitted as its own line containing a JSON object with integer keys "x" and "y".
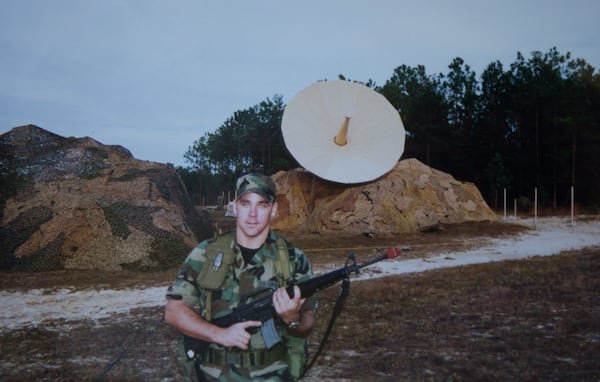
{"x": 532, "y": 125}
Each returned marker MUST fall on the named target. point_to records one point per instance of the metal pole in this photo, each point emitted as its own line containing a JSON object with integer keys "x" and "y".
{"x": 505, "y": 203}
{"x": 535, "y": 209}
{"x": 572, "y": 206}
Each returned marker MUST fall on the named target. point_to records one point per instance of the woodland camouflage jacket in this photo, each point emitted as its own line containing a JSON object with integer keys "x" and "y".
{"x": 242, "y": 283}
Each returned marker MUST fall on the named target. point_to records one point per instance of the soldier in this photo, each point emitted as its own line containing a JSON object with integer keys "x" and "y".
{"x": 232, "y": 269}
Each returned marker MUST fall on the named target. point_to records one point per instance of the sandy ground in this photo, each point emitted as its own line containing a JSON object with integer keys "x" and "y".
{"x": 22, "y": 309}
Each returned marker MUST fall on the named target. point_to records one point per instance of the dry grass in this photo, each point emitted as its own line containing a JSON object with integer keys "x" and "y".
{"x": 529, "y": 320}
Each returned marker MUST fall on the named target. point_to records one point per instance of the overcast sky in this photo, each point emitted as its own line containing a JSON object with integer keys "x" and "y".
{"x": 154, "y": 76}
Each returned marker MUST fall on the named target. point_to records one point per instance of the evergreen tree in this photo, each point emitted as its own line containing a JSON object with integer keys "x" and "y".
{"x": 534, "y": 125}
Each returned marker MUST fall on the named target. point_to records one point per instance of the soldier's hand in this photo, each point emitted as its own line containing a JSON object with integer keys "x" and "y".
{"x": 288, "y": 308}
{"x": 237, "y": 336}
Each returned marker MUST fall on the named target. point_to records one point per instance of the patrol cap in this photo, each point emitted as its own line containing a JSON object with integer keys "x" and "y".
{"x": 258, "y": 183}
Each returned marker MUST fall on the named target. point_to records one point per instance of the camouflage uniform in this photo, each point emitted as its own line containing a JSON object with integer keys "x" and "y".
{"x": 241, "y": 280}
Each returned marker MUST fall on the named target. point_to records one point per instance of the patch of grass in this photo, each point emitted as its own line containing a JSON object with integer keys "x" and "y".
{"x": 527, "y": 320}
{"x": 518, "y": 320}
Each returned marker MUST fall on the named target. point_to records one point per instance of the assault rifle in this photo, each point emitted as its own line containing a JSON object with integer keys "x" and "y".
{"x": 262, "y": 308}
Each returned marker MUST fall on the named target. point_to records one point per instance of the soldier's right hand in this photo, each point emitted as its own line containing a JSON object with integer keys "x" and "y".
{"x": 237, "y": 336}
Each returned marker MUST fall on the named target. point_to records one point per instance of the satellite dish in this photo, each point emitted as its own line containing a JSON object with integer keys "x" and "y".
{"x": 343, "y": 131}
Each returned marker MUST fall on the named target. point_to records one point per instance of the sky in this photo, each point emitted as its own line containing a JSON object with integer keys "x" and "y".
{"x": 156, "y": 75}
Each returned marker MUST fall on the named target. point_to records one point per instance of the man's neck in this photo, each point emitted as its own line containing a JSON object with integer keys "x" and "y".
{"x": 251, "y": 242}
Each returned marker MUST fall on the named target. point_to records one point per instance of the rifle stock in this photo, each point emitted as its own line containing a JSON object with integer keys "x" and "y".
{"x": 262, "y": 308}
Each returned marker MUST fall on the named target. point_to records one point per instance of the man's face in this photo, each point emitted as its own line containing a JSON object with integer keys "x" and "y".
{"x": 253, "y": 213}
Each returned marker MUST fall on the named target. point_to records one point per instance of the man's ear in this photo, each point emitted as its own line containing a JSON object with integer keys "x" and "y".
{"x": 274, "y": 210}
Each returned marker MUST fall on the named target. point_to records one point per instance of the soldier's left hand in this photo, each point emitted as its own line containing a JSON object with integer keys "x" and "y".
{"x": 288, "y": 308}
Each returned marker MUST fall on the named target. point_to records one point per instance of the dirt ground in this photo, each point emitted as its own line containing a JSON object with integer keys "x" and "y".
{"x": 528, "y": 320}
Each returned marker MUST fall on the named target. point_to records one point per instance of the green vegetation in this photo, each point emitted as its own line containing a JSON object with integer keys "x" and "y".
{"x": 533, "y": 124}
{"x": 250, "y": 140}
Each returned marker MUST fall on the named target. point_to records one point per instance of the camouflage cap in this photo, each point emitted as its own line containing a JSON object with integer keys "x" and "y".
{"x": 258, "y": 183}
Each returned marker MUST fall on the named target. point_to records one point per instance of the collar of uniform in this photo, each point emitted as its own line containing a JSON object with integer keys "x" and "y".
{"x": 271, "y": 237}
{"x": 267, "y": 249}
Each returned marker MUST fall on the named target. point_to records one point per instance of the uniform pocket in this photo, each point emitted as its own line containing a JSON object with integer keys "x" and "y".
{"x": 215, "y": 270}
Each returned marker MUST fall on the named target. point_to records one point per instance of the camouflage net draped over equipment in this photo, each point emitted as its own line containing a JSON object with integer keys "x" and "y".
{"x": 74, "y": 203}
{"x": 18, "y": 232}
{"x": 167, "y": 248}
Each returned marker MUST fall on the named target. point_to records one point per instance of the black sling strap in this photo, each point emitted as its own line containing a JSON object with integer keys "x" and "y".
{"x": 337, "y": 309}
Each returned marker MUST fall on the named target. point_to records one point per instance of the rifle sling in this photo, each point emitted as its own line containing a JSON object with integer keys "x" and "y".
{"x": 337, "y": 309}
{"x": 282, "y": 266}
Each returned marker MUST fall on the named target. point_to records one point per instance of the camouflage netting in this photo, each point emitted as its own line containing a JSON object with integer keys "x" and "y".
{"x": 73, "y": 203}
{"x": 412, "y": 197}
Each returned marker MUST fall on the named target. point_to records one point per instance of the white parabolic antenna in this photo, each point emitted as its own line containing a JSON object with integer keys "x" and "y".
{"x": 343, "y": 131}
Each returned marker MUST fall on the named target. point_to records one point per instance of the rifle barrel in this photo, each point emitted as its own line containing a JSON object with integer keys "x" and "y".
{"x": 318, "y": 283}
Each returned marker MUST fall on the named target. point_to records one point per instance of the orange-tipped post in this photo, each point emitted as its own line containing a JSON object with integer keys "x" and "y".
{"x": 342, "y": 136}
